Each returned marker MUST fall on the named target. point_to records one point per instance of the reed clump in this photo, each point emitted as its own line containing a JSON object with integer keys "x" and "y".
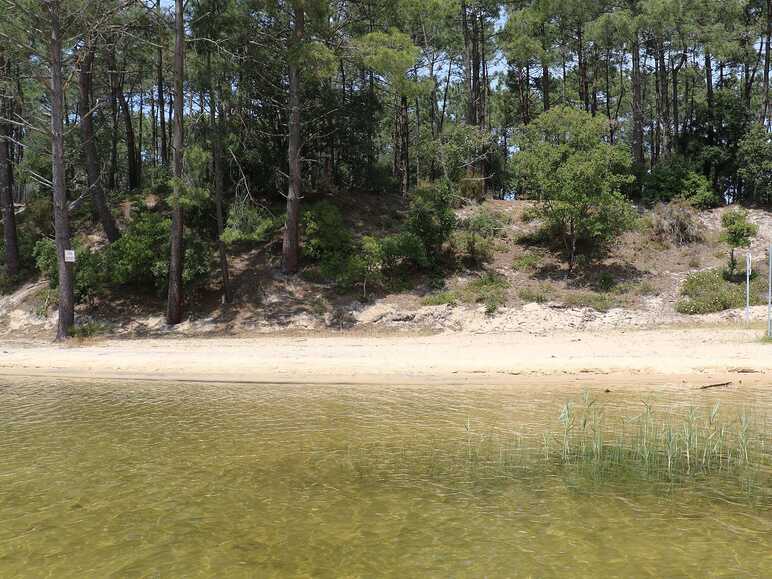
{"x": 666, "y": 444}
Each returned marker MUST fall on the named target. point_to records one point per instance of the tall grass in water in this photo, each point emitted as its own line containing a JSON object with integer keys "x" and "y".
{"x": 655, "y": 444}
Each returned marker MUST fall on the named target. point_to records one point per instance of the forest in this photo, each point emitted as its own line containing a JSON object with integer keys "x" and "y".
{"x": 145, "y": 143}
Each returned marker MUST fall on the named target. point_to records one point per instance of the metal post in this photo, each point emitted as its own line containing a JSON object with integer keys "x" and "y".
{"x": 769, "y": 297}
{"x": 748, "y": 265}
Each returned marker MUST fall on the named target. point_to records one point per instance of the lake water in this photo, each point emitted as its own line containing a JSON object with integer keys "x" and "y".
{"x": 201, "y": 480}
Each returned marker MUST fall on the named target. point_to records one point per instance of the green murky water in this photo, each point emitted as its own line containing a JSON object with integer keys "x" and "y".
{"x": 147, "y": 480}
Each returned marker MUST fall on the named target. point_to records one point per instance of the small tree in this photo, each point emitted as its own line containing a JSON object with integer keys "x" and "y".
{"x": 576, "y": 176}
{"x": 738, "y": 232}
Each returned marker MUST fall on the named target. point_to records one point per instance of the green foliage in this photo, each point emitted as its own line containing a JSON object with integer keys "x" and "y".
{"x": 448, "y": 297}
{"x": 536, "y": 294}
{"x": 140, "y": 258}
{"x": 472, "y": 247}
{"x": 490, "y": 289}
{"x": 737, "y": 232}
{"x": 403, "y": 249}
{"x": 248, "y": 223}
{"x": 696, "y": 189}
{"x": 601, "y": 302}
{"x": 710, "y": 291}
{"x": 576, "y": 177}
{"x": 89, "y": 269}
{"x": 529, "y": 261}
{"x": 755, "y": 154}
{"x": 431, "y": 219}
{"x": 326, "y": 236}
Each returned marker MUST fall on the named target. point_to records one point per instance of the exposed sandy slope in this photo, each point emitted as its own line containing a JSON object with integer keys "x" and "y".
{"x": 666, "y": 357}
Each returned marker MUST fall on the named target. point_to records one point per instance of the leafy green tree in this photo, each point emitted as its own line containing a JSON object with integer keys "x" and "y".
{"x": 576, "y": 177}
{"x": 755, "y": 154}
{"x": 737, "y": 232}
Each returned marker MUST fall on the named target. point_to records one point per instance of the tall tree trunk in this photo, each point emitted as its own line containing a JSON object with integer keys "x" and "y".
{"x": 637, "y": 81}
{"x": 404, "y": 149}
{"x": 116, "y": 82}
{"x": 219, "y": 187}
{"x": 216, "y": 122}
{"x": 765, "y": 100}
{"x": 667, "y": 131}
{"x": 177, "y": 254}
{"x": 89, "y": 146}
{"x": 709, "y": 96}
{"x": 291, "y": 242}
{"x": 161, "y": 100}
{"x": 584, "y": 86}
{"x": 545, "y": 85}
{"x": 61, "y": 213}
{"x": 6, "y": 192}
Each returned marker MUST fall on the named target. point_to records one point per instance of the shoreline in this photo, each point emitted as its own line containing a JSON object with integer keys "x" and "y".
{"x": 693, "y": 358}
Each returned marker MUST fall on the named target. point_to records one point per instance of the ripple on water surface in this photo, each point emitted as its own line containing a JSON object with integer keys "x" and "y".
{"x": 149, "y": 479}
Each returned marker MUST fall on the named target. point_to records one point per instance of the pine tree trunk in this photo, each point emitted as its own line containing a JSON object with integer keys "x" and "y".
{"x": 89, "y": 146}
{"x": 61, "y": 214}
{"x": 6, "y": 192}
{"x": 637, "y": 139}
{"x": 131, "y": 153}
{"x": 161, "y": 100}
{"x": 765, "y": 100}
{"x": 404, "y": 157}
{"x": 291, "y": 242}
{"x": 177, "y": 254}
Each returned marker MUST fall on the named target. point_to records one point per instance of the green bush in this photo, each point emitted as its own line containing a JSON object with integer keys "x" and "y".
{"x": 696, "y": 189}
{"x": 486, "y": 223}
{"x": 89, "y": 269}
{"x": 472, "y": 247}
{"x": 538, "y": 294}
{"x": 448, "y": 297}
{"x": 403, "y": 249}
{"x": 140, "y": 258}
{"x": 489, "y": 289}
{"x": 325, "y": 235}
{"x": 709, "y": 291}
{"x": 527, "y": 262}
{"x": 431, "y": 219}
{"x": 601, "y": 302}
{"x": 249, "y": 223}
{"x": 737, "y": 232}
{"x": 577, "y": 177}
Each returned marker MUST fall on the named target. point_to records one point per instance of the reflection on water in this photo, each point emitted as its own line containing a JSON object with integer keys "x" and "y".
{"x": 139, "y": 480}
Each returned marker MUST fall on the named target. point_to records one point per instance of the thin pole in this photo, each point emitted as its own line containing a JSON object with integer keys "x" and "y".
{"x": 748, "y": 265}
{"x": 769, "y": 297}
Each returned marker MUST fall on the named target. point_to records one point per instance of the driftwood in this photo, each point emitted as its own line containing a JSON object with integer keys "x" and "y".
{"x": 720, "y": 385}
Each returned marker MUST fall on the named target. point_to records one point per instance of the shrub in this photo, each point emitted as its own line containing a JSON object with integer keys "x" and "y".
{"x": 755, "y": 155}
{"x": 577, "y": 178}
{"x": 249, "y": 223}
{"x": 472, "y": 247}
{"x": 527, "y": 262}
{"x": 402, "y": 249}
{"x": 140, "y": 258}
{"x": 606, "y": 282}
{"x": 431, "y": 219}
{"x": 538, "y": 294}
{"x": 597, "y": 301}
{"x": 737, "y": 232}
{"x": 486, "y": 223}
{"x": 448, "y": 297}
{"x": 490, "y": 289}
{"x": 89, "y": 269}
{"x": 326, "y": 236}
{"x": 696, "y": 189}
{"x": 709, "y": 291}
{"x": 363, "y": 268}
{"x": 676, "y": 223}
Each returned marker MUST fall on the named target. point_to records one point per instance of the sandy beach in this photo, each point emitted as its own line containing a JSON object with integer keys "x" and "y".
{"x": 694, "y": 357}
